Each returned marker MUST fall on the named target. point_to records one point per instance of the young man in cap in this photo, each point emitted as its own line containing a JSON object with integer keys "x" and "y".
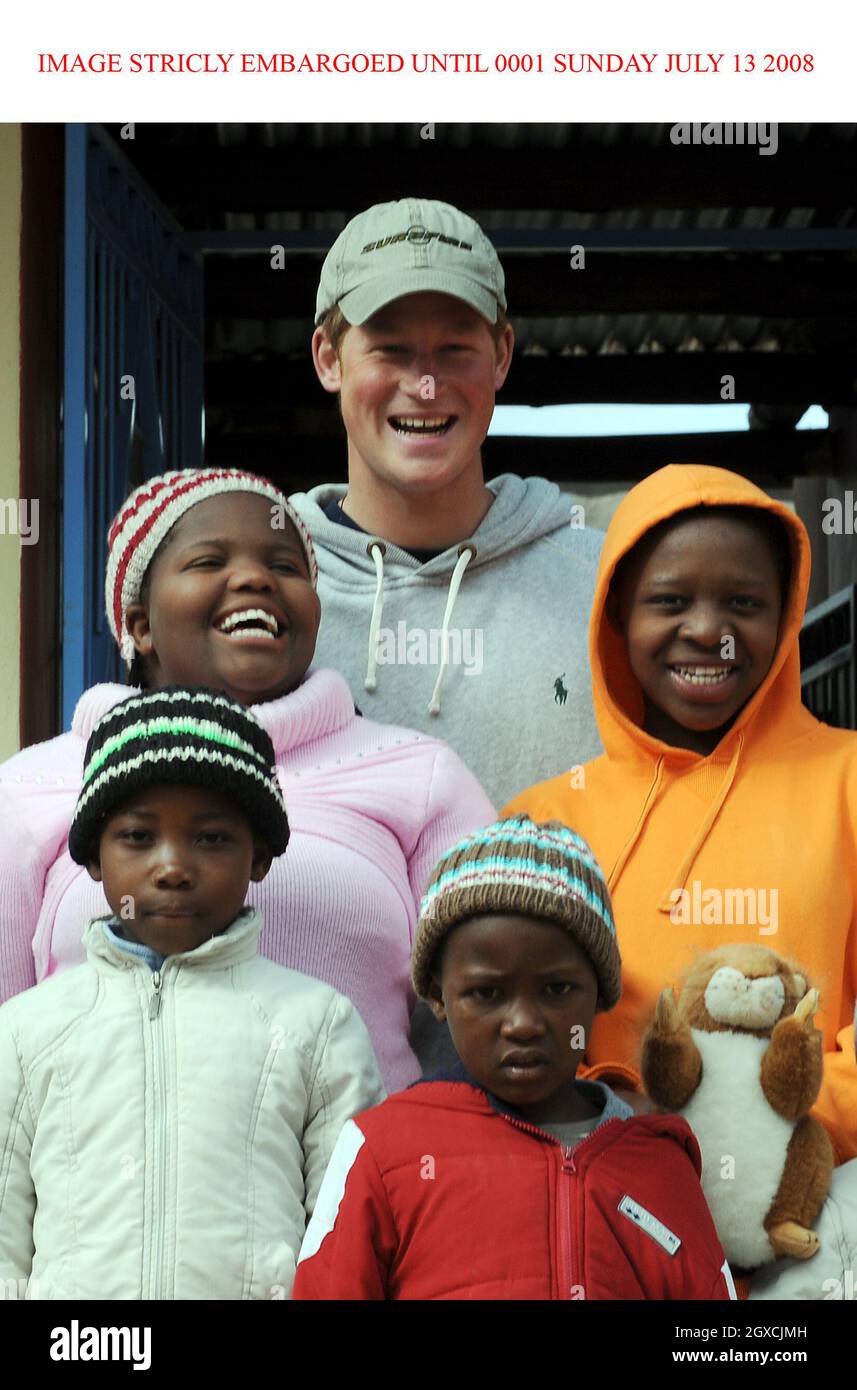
{"x": 450, "y": 605}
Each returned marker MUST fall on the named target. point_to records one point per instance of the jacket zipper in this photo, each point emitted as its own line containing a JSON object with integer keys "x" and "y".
{"x": 159, "y": 1165}
{"x": 567, "y": 1172}
{"x": 566, "y": 1258}
{"x": 155, "y": 1001}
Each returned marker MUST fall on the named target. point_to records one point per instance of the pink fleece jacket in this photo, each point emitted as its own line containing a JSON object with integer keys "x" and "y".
{"x": 371, "y": 808}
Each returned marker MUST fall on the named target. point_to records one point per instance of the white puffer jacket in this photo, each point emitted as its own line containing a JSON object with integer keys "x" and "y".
{"x": 165, "y": 1136}
{"x": 832, "y": 1273}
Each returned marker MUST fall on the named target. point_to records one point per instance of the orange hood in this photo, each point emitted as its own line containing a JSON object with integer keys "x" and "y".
{"x": 618, "y": 698}
{"x": 772, "y": 718}
{"x": 773, "y": 805}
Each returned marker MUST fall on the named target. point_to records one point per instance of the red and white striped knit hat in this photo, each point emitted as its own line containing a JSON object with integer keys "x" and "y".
{"x": 146, "y": 517}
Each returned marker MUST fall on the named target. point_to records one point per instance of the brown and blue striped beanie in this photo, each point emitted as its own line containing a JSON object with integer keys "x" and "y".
{"x": 184, "y": 736}
{"x": 519, "y": 866}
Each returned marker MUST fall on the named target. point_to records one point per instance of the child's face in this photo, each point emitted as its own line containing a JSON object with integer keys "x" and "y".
{"x": 224, "y": 557}
{"x": 175, "y": 863}
{"x": 425, "y": 356}
{"x": 519, "y": 995}
{"x": 705, "y": 580}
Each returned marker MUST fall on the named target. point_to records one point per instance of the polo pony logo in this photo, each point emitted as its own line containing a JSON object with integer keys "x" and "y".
{"x": 560, "y": 693}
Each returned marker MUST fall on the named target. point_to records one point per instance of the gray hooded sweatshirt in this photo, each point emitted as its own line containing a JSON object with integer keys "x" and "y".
{"x": 508, "y": 608}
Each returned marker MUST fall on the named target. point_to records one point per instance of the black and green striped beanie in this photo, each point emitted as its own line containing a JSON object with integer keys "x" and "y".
{"x": 187, "y": 736}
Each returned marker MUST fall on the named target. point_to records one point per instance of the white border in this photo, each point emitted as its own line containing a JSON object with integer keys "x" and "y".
{"x": 406, "y": 26}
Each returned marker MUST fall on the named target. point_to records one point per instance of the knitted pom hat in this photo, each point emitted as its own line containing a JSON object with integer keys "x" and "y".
{"x": 533, "y": 870}
{"x": 185, "y": 737}
{"x": 150, "y": 513}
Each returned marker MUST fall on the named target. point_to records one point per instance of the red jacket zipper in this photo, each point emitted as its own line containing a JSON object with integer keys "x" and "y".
{"x": 568, "y": 1284}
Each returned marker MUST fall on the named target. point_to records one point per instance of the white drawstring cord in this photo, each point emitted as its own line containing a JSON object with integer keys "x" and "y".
{"x": 377, "y": 551}
{"x": 465, "y": 555}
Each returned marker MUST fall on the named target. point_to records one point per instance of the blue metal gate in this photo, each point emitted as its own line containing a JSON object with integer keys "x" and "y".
{"x": 133, "y": 389}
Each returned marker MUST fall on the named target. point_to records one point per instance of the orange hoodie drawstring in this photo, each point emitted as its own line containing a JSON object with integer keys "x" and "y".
{"x": 625, "y": 854}
{"x": 668, "y": 901}
{"x": 677, "y": 879}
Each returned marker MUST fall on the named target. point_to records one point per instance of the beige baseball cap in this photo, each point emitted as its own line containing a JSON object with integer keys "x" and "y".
{"x": 401, "y": 248}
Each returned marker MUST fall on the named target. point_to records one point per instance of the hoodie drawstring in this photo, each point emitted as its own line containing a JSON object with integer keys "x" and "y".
{"x": 677, "y": 880}
{"x": 668, "y": 901}
{"x": 377, "y": 550}
{"x": 625, "y": 854}
{"x": 465, "y": 555}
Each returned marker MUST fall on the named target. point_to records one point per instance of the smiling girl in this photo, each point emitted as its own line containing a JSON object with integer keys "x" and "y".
{"x": 717, "y": 785}
{"x": 211, "y": 580}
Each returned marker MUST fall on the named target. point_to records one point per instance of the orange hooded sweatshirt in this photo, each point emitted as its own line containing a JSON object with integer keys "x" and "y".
{"x": 774, "y": 807}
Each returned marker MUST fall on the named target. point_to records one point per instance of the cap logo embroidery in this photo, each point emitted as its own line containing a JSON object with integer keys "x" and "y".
{"x": 420, "y": 236}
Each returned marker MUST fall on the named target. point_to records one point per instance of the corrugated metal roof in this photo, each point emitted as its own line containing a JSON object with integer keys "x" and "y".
{"x": 565, "y": 333}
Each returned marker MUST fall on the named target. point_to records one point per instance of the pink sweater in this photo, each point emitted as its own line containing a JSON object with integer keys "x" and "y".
{"x": 371, "y": 808}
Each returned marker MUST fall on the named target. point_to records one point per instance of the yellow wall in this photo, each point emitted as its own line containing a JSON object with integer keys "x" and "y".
{"x": 10, "y": 457}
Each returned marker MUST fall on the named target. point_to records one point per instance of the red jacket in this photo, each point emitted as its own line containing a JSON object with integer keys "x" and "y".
{"x": 441, "y": 1193}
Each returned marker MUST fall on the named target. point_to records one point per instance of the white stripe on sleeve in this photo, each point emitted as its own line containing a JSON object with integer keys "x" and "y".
{"x": 330, "y": 1194}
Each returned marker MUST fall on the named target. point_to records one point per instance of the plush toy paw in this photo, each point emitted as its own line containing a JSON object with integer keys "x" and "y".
{"x": 790, "y": 1238}
{"x": 666, "y": 1021}
{"x": 805, "y": 1011}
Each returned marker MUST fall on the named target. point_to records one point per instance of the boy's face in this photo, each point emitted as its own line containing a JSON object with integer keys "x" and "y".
{"x": 175, "y": 863}
{"x": 519, "y": 995}
{"x": 222, "y": 558}
{"x": 426, "y": 358}
{"x": 705, "y": 580}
